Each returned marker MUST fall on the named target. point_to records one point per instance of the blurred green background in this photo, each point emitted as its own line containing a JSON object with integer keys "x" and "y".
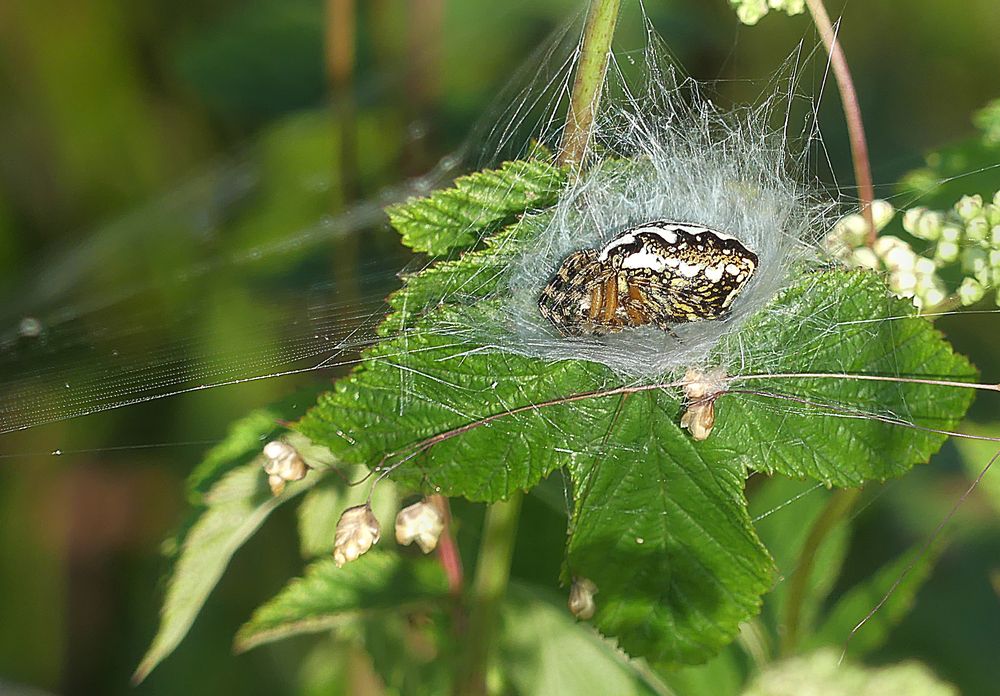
{"x": 186, "y": 177}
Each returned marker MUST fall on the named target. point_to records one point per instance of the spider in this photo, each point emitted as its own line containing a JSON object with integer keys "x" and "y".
{"x": 660, "y": 273}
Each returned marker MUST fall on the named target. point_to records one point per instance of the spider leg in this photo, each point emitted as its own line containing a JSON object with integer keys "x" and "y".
{"x": 610, "y": 298}
{"x": 596, "y": 301}
{"x": 635, "y": 306}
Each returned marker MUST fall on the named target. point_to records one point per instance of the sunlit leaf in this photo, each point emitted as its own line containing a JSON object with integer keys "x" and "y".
{"x": 660, "y": 523}
{"x": 822, "y": 672}
{"x": 548, "y": 653}
{"x": 456, "y": 217}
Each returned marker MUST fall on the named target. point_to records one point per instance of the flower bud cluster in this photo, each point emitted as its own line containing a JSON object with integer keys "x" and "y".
{"x": 751, "y": 11}
{"x": 966, "y": 237}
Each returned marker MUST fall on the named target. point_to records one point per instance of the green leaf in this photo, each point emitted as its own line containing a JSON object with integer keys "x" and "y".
{"x": 328, "y": 596}
{"x": 666, "y": 537}
{"x": 234, "y": 509}
{"x": 456, "y": 217}
{"x": 680, "y": 594}
{"x": 547, "y": 653}
{"x": 245, "y": 440}
{"x": 822, "y": 673}
{"x": 910, "y": 571}
{"x": 723, "y": 675}
{"x": 660, "y": 522}
{"x": 842, "y": 323}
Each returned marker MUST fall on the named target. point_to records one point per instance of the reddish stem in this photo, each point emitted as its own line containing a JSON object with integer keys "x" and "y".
{"x": 852, "y": 112}
{"x": 447, "y": 549}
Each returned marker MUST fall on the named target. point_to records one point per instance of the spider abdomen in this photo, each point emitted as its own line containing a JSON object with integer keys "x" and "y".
{"x": 660, "y": 273}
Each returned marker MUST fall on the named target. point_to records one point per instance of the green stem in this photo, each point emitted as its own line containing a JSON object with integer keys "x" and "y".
{"x": 487, "y": 593}
{"x": 852, "y": 112}
{"x": 837, "y": 507}
{"x": 595, "y": 51}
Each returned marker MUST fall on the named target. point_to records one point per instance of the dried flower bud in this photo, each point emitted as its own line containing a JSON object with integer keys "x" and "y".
{"x": 581, "y": 598}
{"x": 931, "y": 291}
{"x": 951, "y": 232}
{"x": 924, "y": 267}
{"x": 421, "y": 522}
{"x": 974, "y": 260}
{"x": 701, "y": 389}
{"x": 903, "y": 283}
{"x": 992, "y": 210}
{"x": 853, "y": 229}
{"x": 357, "y": 531}
{"x": 929, "y": 225}
{"x": 863, "y": 257}
{"x": 282, "y": 463}
{"x": 699, "y": 419}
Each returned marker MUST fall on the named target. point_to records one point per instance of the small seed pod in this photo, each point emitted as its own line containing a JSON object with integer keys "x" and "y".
{"x": 581, "y": 598}
{"x": 421, "y": 522}
{"x": 357, "y": 531}
{"x": 701, "y": 390}
{"x": 282, "y": 463}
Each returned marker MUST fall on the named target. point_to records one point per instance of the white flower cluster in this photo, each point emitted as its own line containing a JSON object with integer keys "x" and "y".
{"x": 967, "y": 237}
{"x": 751, "y": 11}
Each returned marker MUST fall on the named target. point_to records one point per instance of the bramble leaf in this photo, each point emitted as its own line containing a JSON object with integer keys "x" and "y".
{"x": 456, "y": 217}
{"x": 235, "y": 509}
{"x": 327, "y": 595}
{"x": 839, "y": 430}
{"x": 233, "y": 500}
{"x": 659, "y": 521}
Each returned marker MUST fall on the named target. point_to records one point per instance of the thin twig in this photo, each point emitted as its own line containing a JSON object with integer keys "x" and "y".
{"x": 852, "y": 112}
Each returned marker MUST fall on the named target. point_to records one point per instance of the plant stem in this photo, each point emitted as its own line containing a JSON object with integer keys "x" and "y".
{"x": 837, "y": 507}
{"x": 591, "y": 68}
{"x": 448, "y": 554}
{"x": 852, "y": 112}
{"x": 488, "y": 590}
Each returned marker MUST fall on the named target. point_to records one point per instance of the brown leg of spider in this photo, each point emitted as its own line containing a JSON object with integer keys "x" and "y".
{"x": 636, "y": 315}
{"x": 596, "y": 300}
{"x": 610, "y": 298}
